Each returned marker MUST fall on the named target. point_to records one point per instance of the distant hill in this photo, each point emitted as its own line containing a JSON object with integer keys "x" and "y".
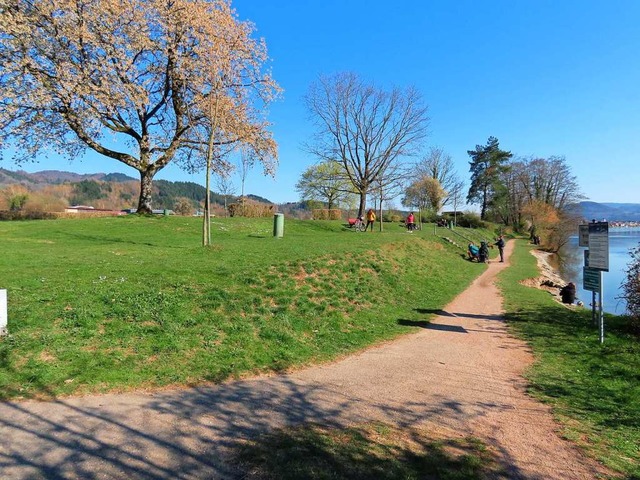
{"x": 105, "y": 190}
{"x": 8, "y": 177}
{"x": 620, "y": 212}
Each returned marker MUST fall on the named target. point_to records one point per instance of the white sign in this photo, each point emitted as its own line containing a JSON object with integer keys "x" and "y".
{"x": 3, "y": 312}
{"x": 583, "y": 235}
{"x": 599, "y": 246}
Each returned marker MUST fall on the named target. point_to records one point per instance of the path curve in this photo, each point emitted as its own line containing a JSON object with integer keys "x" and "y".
{"x": 460, "y": 374}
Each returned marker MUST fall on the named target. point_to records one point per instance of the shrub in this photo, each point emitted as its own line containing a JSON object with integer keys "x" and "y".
{"x": 183, "y": 206}
{"x": 251, "y": 209}
{"x": 26, "y": 215}
{"x": 471, "y": 220}
{"x": 429, "y": 216}
{"x": 392, "y": 217}
{"x": 631, "y": 289}
{"x": 326, "y": 214}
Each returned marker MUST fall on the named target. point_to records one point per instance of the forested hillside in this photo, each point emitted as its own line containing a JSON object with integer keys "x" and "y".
{"x": 54, "y": 190}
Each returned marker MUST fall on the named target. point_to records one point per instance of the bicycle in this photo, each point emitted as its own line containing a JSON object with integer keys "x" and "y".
{"x": 359, "y": 225}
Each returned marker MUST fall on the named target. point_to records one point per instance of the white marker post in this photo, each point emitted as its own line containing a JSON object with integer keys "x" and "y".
{"x": 3, "y": 312}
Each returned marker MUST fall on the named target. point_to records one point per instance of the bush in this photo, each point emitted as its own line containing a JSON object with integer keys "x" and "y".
{"x": 251, "y": 209}
{"x": 326, "y": 214}
{"x": 471, "y": 220}
{"x": 392, "y": 217}
{"x": 631, "y": 289}
{"x": 26, "y": 215}
{"x": 183, "y": 206}
{"x": 429, "y": 216}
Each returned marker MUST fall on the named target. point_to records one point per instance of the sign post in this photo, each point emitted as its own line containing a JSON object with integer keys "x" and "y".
{"x": 583, "y": 236}
{"x": 599, "y": 260}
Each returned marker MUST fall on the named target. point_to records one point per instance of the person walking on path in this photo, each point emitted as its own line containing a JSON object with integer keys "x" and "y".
{"x": 500, "y": 245}
{"x": 411, "y": 222}
{"x": 371, "y": 219}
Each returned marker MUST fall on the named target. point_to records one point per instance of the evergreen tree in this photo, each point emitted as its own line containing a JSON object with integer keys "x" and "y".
{"x": 486, "y": 165}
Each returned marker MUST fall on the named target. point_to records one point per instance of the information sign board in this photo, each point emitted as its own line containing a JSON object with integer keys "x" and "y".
{"x": 583, "y": 235}
{"x": 591, "y": 279}
{"x": 599, "y": 246}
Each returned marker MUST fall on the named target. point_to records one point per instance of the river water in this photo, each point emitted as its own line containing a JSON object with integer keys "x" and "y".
{"x": 621, "y": 240}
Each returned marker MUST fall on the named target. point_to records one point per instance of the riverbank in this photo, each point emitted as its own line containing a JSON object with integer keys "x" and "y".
{"x": 592, "y": 388}
{"x": 549, "y": 279}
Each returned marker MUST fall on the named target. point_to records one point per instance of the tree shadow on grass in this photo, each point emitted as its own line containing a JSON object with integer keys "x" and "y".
{"x": 363, "y": 452}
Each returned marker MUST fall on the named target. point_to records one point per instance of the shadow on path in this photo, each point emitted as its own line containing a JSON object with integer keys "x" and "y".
{"x": 183, "y": 434}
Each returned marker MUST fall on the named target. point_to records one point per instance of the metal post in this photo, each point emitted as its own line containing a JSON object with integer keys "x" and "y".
{"x": 594, "y": 317}
{"x": 3, "y": 312}
{"x": 601, "y": 311}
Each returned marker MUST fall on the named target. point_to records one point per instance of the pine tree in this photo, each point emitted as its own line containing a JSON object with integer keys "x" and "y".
{"x": 486, "y": 165}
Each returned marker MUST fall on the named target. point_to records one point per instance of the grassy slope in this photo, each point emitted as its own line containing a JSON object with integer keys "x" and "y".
{"x": 118, "y": 303}
{"x": 594, "y": 389}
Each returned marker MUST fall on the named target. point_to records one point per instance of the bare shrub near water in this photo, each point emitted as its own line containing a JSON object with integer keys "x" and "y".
{"x": 631, "y": 289}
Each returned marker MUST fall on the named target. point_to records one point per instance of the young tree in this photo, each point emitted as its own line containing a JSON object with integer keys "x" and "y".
{"x": 326, "y": 182}
{"x": 487, "y": 162}
{"x": 246, "y": 164}
{"x": 439, "y": 165}
{"x": 426, "y": 193}
{"x": 388, "y": 186}
{"x": 363, "y": 127}
{"x": 120, "y": 78}
{"x": 455, "y": 197}
{"x": 226, "y": 188}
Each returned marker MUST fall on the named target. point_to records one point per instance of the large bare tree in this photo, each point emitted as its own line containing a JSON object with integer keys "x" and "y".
{"x": 364, "y": 127}
{"x": 120, "y": 77}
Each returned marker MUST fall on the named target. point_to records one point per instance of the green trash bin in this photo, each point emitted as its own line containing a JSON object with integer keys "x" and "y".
{"x": 278, "y": 225}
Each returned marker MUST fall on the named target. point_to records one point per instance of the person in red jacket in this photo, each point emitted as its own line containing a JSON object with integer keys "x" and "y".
{"x": 411, "y": 222}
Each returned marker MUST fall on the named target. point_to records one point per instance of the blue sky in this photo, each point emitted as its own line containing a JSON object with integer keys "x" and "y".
{"x": 544, "y": 77}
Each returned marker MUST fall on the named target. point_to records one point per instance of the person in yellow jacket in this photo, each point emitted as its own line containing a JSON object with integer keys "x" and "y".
{"x": 371, "y": 219}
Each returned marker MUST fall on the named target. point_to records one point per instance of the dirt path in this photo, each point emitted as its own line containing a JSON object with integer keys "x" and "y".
{"x": 460, "y": 374}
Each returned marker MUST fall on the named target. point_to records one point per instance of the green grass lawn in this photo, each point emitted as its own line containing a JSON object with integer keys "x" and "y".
{"x": 121, "y": 303}
{"x": 594, "y": 389}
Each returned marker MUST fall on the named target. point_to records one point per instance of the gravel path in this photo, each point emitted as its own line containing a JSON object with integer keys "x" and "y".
{"x": 460, "y": 374}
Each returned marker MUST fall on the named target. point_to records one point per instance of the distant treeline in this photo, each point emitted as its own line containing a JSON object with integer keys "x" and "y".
{"x": 53, "y": 191}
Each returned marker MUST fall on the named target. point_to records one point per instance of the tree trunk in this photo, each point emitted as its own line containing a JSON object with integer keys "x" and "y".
{"x": 206, "y": 229}
{"x": 144, "y": 203}
{"x": 363, "y": 204}
{"x": 380, "y": 212}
